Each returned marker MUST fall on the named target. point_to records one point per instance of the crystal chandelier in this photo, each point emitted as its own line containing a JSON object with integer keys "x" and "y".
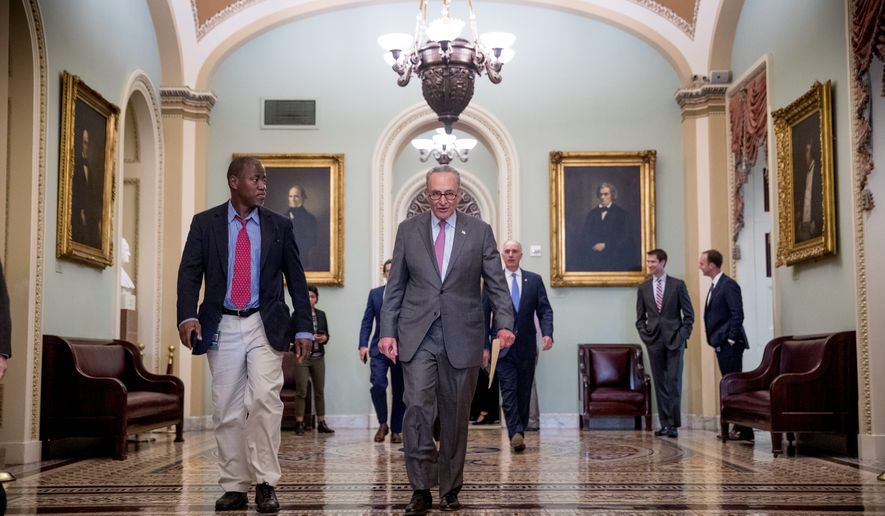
{"x": 443, "y": 147}
{"x": 446, "y": 63}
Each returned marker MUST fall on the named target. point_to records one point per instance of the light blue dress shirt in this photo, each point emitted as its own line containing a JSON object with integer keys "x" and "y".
{"x": 253, "y": 229}
{"x": 450, "y": 238}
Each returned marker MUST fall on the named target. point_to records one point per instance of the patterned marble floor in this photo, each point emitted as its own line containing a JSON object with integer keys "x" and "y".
{"x": 561, "y": 472}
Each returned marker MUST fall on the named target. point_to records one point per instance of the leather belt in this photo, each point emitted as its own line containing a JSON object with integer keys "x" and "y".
{"x": 239, "y": 313}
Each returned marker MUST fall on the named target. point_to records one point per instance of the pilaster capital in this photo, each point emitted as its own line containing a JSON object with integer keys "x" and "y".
{"x": 183, "y": 102}
{"x": 701, "y": 100}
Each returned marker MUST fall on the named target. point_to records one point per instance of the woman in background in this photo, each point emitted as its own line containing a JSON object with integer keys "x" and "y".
{"x": 314, "y": 368}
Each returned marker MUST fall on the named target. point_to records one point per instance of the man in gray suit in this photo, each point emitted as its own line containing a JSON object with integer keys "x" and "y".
{"x": 664, "y": 318}
{"x": 432, "y": 319}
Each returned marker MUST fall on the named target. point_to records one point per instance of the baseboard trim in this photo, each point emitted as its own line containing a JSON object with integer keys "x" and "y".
{"x": 871, "y": 447}
{"x": 18, "y": 453}
{"x": 198, "y": 423}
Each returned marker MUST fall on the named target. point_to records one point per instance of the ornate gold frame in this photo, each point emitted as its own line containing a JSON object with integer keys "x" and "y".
{"x": 335, "y": 163}
{"x": 644, "y": 163}
{"x": 73, "y": 91}
{"x": 789, "y": 251}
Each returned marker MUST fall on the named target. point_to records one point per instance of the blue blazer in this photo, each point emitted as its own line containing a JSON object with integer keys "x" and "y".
{"x": 205, "y": 257}
{"x": 724, "y": 317}
{"x": 372, "y": 315}
{"x": 532, "y": 300}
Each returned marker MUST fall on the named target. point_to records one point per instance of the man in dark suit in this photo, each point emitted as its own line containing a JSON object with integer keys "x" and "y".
{"x": 87, "y": 187}
{"x": 724, "y": 323}
{"x": 664, "y": 319}
{"x": 243, "y": 252}
{"x": 605, "y": 237}
{"x": 379, "y": 365}
{"x": 5, "y": 325}
{"x": 516, "y": 366}
{"x": 432, "y": 319}
{"x": 304, "y": 224}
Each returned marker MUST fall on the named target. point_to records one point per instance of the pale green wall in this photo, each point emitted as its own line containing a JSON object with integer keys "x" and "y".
{"x": 104, "y": 42}
{"x": 575, "y": 84}
{"x": 806, "y": 41}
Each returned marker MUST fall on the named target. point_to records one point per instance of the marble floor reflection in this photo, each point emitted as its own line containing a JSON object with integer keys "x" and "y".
{"x": 561, "y": 472}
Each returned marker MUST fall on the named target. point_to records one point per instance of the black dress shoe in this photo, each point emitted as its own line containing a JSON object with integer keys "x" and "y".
{"x": 450, "y": 503}
{"x": 673, "y": 432}
{"x": 396, "y": 438}
{"x": 323, "y": 428}
{"x": 266, "y": 498}
{"x": 231, "y": 501}
{"x": 663, "y": 431}
{"x": 420, "y": 504}
{"x": 299, "y": 428}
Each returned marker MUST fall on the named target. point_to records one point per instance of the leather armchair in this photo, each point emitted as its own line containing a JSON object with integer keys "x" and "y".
{"x": 614, "y": 383}
{"x": 804, "y": 384}
{"x": 100, "y": 388}
{"x": 287, "y": 394}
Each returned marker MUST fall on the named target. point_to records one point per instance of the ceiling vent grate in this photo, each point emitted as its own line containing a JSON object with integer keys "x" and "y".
{"x": 288, "y": 113}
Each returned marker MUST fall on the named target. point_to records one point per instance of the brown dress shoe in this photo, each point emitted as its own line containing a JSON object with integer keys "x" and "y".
{"x": 381, "y": 433}
{"x": 517, "y": 442}
{"x": 396, "y": 438}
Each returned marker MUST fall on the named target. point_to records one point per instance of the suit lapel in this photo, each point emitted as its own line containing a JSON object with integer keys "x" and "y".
{"x": 458, "y": 244}
{"x": 220, "y": 223}
{"x": 424, "y": 232}
{"x": 522, "y": 291}
{"x": 669, "y": 287}
{"x": 267, "y": 233}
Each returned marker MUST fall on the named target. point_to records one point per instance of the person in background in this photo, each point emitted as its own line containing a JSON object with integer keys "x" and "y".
{"x": 5, "y": 325}
{"x": 379, "y": 365}
{"x": 313, "y": 368}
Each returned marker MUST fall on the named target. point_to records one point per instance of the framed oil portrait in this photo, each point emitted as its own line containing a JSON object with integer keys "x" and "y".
{"x": 309, "y": 190}
{"x": 87, "y": 155}
{"x": 602, "y": 207}
{"x": 806, "y": 206}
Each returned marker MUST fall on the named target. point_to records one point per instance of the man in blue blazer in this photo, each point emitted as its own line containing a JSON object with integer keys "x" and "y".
{"x": 380, "y": 365}
{"x": 724, "y": 322}
{"x": 516, "y": 365}
{"x": 243, "y": 252}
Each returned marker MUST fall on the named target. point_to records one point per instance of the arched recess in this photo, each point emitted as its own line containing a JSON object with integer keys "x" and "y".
{"x": 24, "y": 194}
{"x": 142, "y": 102}
{"x": 723, "y": 34}
{"x": 469, "y": 182}
{"x": 397, "y": 135}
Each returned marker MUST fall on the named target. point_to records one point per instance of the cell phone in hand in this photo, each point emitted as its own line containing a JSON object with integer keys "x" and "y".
{"x": 194, "y": 337}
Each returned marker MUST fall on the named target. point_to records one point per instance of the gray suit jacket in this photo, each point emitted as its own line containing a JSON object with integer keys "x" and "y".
{"x": 671, "y": 325}
{"x": 415, "y": 296}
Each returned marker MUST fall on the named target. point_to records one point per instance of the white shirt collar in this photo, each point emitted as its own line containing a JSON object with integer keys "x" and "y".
{"x": 508, "y": 273}
{"x": 716, "y": 279}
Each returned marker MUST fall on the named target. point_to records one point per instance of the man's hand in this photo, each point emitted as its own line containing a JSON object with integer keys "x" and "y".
{"x": 388, "y": 347}
{"x": 506, "y": 338}
{"x": 185, "y": 330}
{"x": 599, "y": 247}
{"x": 485, "y": 358}
{"x": 548, "y": 343}
{"x": 321, "y": 338}
{"x": 2, "y": 366}
{"x": 364, "y": 353}
{"x": 302, "y": 348}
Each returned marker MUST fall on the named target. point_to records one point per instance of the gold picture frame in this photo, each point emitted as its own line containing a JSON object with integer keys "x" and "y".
{"x": 626, "y": 229}
{"x": 806, "y": 209}
{"x": 86, "y": 184}
{"x": 320, "y": 179}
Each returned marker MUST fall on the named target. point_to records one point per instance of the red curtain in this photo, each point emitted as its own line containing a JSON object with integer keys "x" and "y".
{"x": 748, "y": 112}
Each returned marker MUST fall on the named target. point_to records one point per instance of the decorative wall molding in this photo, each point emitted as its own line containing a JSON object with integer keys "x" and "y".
{"x": 686, "y": 26}
{"x": 203, "y": 28}
{"x": 183, "y": 102}
{"x": 701, "y": 99}
{"x": 469, "y": 183}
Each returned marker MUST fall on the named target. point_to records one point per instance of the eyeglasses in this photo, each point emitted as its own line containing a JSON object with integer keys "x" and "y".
{"x": 435, "y": 196}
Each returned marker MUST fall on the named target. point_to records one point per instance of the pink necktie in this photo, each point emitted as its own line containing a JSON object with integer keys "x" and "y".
{"x": 241, "y": 286}
{"x": 659, "y": 293}
{"x": 440, "y": 246}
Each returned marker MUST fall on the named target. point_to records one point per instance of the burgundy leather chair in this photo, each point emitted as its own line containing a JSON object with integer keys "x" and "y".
{"x": 804, "y": 384}
{"x": 614, "y": 383}
{"x": 100, "y": 388}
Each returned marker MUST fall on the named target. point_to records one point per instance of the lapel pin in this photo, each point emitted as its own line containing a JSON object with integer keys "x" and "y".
{"x": 463, "y": 232}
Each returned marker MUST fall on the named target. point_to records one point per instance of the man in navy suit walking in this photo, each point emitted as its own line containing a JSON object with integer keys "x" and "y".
{"x": 379, "y": 365}
{"x": 724, "y": 322}
{"x": 516, "y": 366}
{"x": 243, "y": 252}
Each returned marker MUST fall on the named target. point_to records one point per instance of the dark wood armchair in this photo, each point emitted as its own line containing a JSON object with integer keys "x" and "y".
{"x": 804, "y": 384}
{"x": 100, "y": 388}
{"x": 287, "y": 394}
{"x": 614, "y": 383}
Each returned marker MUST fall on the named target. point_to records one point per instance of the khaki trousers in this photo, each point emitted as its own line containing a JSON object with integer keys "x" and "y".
{"x": 247, "y": 377}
